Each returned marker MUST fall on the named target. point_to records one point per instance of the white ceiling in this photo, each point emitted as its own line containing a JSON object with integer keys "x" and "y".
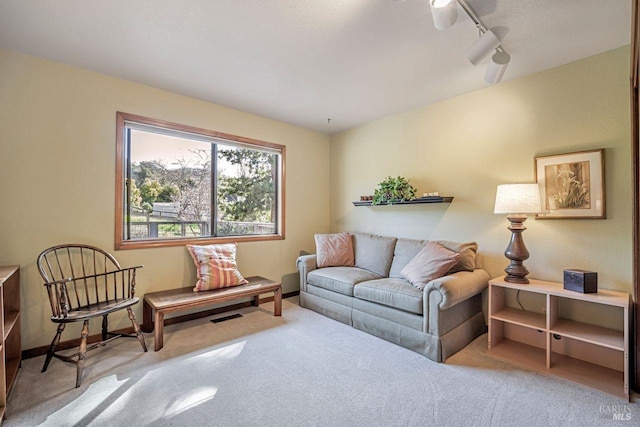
{"x": 305, "y": 61}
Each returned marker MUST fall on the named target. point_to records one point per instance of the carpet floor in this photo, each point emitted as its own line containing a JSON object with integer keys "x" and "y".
{"x": 301, "y": 369}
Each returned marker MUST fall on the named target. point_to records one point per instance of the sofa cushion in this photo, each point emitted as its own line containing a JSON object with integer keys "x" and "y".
{"x": 405, "y": 251}
{"x": 339, "y": 279}
{"x": 467, "y": 251}
{"x": 374, "y": 253}
{"x": 334, "y": 250}
{"x": 432, "y": 262}
{"x": 396, "y": 293}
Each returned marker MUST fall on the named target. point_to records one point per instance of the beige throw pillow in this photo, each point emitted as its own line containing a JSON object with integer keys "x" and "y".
{"x": 432, "y": 262}
{"x": 467, "y": 251}
{"x": 215, "y": 266}
{"x": 334, "y": 250}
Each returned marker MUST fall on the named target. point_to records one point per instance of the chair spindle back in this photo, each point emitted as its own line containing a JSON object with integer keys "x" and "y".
{"x": 78, "y": 276}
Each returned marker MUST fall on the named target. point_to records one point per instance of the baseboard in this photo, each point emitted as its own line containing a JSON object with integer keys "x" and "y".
{"x": 64, "y": 345}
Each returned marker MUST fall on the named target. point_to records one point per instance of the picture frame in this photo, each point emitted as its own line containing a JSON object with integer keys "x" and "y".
{"x": 572, "y": 185}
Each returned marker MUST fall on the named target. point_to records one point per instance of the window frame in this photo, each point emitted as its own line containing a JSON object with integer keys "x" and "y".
{"x": 121, "y": 243}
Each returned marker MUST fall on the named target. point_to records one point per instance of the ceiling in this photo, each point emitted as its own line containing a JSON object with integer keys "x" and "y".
{"x": 306, "y": 61}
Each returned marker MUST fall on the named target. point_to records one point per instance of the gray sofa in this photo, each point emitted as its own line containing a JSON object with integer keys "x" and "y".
{"x": 374, "y": 297}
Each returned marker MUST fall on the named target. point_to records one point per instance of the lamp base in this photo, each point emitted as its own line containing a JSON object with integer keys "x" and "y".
{"x": 516, "y": 251}
{"x": 516, "y": 273}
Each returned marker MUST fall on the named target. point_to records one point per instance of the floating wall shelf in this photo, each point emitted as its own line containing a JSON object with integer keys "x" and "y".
{"x": 419, "y": 200}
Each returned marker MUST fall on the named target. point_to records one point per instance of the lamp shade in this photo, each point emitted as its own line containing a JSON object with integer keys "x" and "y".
{"x": 497, "y": 67}
{"x": 517, "y": 199}
{"x": 444, "y": 13}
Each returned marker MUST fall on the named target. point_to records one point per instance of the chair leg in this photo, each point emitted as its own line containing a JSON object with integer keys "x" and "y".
{"x": 54, "y": 345}
{"x": 82, "y": 352}
{"x": 136, "y": 327}
{"x": 105, "y": 327}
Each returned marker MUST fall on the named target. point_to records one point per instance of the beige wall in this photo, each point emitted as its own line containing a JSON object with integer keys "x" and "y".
{"x": 465, "y": 146}
{"x": 57, "y": 165}
{"x": 57, "y": 156}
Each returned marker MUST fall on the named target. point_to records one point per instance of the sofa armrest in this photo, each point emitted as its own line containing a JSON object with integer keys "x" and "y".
{"x": 305, "y": 264}
{"x": 450, "y": 290}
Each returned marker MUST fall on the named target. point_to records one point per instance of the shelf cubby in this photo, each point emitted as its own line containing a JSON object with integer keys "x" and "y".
{"x": 10, "y": 345}
{"x": 591, "y": 355}
{"x": 526, "y": 319}
{"x": 589, "y": 333}
{"x": 528, "y": 356}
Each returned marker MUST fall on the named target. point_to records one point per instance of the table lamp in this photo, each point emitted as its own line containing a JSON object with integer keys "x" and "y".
{"x": 517, "y": 200}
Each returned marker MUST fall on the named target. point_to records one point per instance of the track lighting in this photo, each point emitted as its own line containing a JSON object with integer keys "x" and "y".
{"x": 497, "y": 67}
{"x": 444, "y": 13}
{"x": 486, "y": 44}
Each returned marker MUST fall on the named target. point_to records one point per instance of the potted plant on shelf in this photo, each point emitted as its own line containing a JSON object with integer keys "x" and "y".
{"x": 392, "y": 190}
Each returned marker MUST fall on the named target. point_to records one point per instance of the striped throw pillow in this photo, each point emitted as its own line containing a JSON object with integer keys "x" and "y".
{"x": 216, "y": 266}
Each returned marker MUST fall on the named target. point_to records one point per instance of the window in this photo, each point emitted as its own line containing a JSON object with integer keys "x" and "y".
{"x": 177, "y": 184}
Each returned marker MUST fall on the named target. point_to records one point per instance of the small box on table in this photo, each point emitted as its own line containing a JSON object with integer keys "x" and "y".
{"x": 581, "y": 281}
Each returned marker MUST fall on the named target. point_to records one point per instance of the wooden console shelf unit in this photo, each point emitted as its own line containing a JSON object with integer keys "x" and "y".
{"x": 587, "y": 354}
{"x": 419, "y": 200}
{"x": 10, "y": 345}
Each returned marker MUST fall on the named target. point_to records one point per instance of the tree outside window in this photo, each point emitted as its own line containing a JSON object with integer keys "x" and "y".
{"x": 179, "y": 185}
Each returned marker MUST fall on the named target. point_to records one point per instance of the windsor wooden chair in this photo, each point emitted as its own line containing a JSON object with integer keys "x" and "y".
{"x": 84, "y": 282}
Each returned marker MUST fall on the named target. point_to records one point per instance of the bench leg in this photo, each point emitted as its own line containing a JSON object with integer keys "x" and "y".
{"x": 147, "y": 321}
{"x": 256, "y": 301}
{"x": 277, "y": 302}
{"x": 158, "y": 331}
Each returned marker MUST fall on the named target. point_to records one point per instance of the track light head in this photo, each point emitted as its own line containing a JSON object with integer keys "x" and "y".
{"x": 486, "y": 44}
{"x": 444, "y": 13}
{"x": 497, "y": 67}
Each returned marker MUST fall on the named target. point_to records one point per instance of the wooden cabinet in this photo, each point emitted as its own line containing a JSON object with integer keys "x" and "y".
{"x": 544, "y": 341}
{"x": 10, "y": 346}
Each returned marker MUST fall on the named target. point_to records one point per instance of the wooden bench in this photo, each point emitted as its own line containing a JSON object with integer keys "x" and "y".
{"x": 157, "y": 304}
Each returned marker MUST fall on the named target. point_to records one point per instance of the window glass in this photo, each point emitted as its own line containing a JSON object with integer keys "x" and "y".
{"x": 246, "y": 191}
{"x": 180, "y": 183}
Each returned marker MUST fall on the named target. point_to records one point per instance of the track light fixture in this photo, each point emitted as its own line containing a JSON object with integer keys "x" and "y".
{"x": 497, "y": 67}
{"x": 445, "y": 13}
{"x": 486, "y": 44}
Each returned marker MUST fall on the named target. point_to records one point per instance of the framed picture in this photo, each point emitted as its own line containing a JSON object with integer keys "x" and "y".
{"x": 571, "y": 185}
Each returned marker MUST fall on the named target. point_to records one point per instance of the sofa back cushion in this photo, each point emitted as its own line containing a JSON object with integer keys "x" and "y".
{"x": 407, "y": 249}
{"x": 374, "y": 253}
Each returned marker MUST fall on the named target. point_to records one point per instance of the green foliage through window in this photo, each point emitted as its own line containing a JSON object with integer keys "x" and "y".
{"x": 180, "y": 186}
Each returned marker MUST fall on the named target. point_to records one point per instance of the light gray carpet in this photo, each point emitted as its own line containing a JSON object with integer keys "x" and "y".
{"x": 299, "y": 370}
